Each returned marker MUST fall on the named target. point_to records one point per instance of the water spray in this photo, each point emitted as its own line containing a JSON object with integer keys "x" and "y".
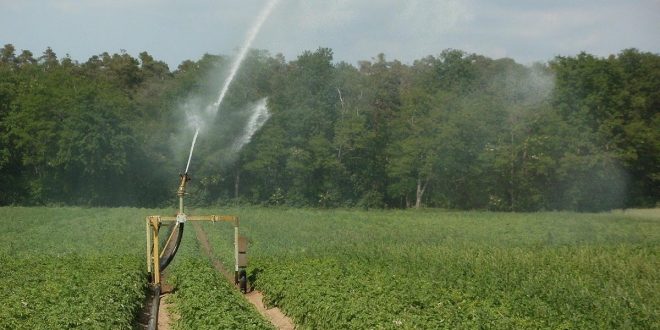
{"x": 212, "y": 109}
{"x": 252, "y": 34}
{"x": 158, "y": 258}
{"x": 192, "y": 147}
{"x": 257, "y": 118}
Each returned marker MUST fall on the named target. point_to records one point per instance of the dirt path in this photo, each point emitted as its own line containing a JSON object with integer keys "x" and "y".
{"x": 166, "y": 318}
{"x": 274, "y": 315}
{"x": 164, "y": 309}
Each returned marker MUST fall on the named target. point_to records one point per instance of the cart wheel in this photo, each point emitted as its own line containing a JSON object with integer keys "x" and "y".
{"x": 242, "y": 281}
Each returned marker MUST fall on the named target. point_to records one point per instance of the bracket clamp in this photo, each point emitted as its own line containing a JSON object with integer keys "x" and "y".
{"x": 181, "y": 218}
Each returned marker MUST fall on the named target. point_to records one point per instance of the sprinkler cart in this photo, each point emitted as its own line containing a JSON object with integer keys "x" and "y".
{"x": 159, "y": 257}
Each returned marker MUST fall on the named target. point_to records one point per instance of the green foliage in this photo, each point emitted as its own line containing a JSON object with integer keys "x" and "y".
{"x": 456, "y": 130}
{"x": 71, "y": 268}
{"x": 80, "y": 267}
{"x": 60, "y": 292}
{"x": 203, "y": 298}
{"x": 448, "y": 270}
{"x": 84, "y": 268}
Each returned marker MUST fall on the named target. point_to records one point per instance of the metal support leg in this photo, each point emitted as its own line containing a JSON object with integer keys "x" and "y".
{"x": 148, "y": 246}
{"x": 236, "y": 251}
{"x": 156, "y": 256}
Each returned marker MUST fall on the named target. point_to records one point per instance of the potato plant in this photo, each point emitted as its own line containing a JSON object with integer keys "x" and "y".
{"x": 203, "y": 298}
{"x": 438, "y": 269}
{"x": 71, "y": 268}
{"x": 84, "y": 268}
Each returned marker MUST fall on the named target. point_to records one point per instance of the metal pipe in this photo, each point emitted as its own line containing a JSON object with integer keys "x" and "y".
{"x": 156, "y": 256}
{"x": 236, "y": 245}
{"x": 182, "y": 190}
{"x": 148, "y": 247}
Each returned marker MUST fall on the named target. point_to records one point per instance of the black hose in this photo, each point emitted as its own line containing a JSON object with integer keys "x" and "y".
{"x": 166, "y": 261}
{"x": 155, "y": 304}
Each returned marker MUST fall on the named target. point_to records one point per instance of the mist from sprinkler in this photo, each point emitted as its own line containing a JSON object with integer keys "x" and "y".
{"x": 196, "y": 120}
{"x": 258, "y": 118}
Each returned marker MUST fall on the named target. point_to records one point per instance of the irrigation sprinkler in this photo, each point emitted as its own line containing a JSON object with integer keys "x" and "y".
{"x": 159, "y": 256}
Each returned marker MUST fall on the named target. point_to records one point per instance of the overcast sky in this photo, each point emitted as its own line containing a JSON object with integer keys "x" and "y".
{"x": 173, "y": 31}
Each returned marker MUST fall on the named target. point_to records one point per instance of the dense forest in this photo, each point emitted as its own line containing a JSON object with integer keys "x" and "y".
{"x": 456, "y": 130}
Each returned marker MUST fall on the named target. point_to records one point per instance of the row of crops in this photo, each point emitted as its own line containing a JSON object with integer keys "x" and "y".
{"x": 75, "y": 267}
{"x": 432, "y": 269}
{"x": 50, "y": 292}
{"x": 70, "y": 268}
{"x": 203, "y": 298}
{"x": 84, "y": 268}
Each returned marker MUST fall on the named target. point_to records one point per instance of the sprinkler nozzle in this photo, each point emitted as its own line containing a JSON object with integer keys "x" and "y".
{"x": 182, "y": 186}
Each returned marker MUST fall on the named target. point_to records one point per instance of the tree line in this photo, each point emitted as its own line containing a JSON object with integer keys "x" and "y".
{"x": 456, "y": 130}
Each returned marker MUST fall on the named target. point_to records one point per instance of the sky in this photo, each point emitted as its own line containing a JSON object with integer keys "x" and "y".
{"x": 405, "y": 30}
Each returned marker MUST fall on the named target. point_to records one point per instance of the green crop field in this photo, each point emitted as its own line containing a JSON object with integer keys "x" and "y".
{"x": 71, "y": 267}
{"x": 85, "y": 268}
{"x": 204, "y": 299}
{"x": 433, "y": 269}
{"x": 78, "y": 267}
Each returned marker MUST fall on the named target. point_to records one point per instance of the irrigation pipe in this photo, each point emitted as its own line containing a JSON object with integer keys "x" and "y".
{"x": 166, "y": 261}
{"x": 153, "y": 319}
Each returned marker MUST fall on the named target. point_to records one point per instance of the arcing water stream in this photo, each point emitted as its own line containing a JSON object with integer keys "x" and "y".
{"x": 243, "y": 51}
{"x": 257, "y": 119}
{"x": 191, "y": 150}
{"x": 212, "y": 109}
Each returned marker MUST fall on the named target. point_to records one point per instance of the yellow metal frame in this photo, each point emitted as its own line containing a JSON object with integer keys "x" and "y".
{"x": 154, "y": 222}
